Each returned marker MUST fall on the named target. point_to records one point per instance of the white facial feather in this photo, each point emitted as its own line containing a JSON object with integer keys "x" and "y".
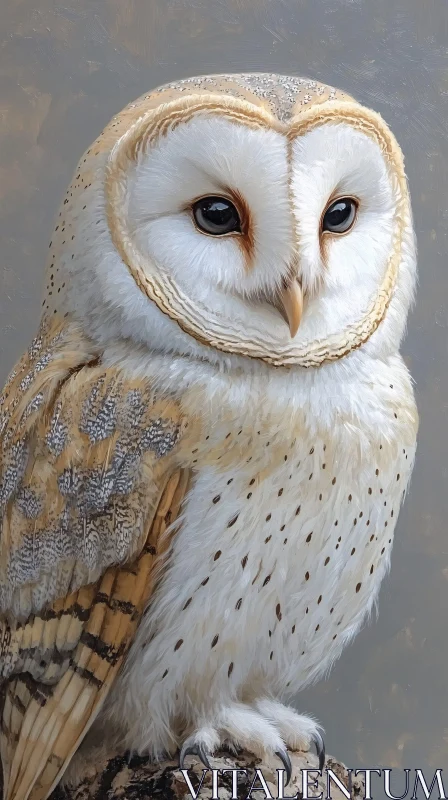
{"x": 337, "y": 161}
{"x": 286, "y": 189}
{"x": 210, "y": 156}
{"x": 331, "y": 162}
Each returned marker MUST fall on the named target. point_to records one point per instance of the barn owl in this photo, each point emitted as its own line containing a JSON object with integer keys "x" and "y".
{"x": 206, "y": 446}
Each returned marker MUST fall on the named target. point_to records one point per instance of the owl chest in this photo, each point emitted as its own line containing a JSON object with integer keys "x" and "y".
{"x": 275, "y": 564}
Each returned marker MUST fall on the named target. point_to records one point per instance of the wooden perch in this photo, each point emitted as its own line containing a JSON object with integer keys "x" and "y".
{"x": 119, "y": 778}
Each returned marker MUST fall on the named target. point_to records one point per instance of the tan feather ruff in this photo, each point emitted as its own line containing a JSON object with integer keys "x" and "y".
{"x": 87, "y": 488}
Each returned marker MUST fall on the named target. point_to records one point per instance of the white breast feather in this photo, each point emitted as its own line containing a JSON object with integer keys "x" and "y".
{"x": 281, "y": 552}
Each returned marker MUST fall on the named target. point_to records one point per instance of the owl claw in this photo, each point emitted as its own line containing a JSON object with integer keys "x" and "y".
{"x": 194, "y": 750}
{"x": 320, "y": 749}
{"x": 286, "y": 761}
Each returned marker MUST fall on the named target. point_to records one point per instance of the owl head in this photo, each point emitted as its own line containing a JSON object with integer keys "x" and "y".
{"x": 258, "y": 217}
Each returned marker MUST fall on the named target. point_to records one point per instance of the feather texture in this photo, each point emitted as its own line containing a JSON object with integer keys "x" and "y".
{"x": 86, "y": 488}
{"x": 82, "y": 461}
{"x": 162, "y": 354}
{"x": 66, "y": 658}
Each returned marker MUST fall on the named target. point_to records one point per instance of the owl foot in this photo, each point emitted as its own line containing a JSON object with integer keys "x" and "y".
{"x": 191, "y": 748}
{"x": 194, "y": 749}
{"x": 286, "y": 761}
{"x": 266, "y": 729}
{"x": 297, "y": 730}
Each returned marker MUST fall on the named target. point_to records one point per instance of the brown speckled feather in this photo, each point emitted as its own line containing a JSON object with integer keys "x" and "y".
{"x": 88, "y": 484}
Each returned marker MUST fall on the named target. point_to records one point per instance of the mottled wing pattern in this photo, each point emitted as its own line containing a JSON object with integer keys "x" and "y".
{"x": 70, "y": 654}
{"x": 87, "y": 487}
{"x": 83, "y": 452}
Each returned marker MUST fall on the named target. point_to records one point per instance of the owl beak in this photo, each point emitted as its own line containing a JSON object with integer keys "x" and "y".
{"x": 291, "y": 302}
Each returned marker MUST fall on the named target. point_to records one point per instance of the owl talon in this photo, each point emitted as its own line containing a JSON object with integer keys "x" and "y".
{"x": 194, "y": 750}
{"x": 320, "y": 749}
{"x": 283, "y": 755}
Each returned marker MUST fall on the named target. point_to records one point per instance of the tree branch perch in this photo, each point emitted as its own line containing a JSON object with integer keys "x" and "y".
{"x": 119, "y": 778}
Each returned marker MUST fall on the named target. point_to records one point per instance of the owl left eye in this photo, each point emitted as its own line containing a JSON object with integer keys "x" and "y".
{"x": 340, "y": 215}
{"x": 216, "y": 216}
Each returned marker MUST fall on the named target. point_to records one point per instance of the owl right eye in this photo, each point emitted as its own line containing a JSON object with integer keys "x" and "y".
{"x": 216, "y": 216}
{"x": 340, "y": 215}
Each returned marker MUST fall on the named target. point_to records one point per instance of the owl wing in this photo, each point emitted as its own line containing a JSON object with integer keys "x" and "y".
{"x": 89, "y": 481}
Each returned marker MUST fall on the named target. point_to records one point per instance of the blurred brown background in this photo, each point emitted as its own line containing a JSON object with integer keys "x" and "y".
{"x": 66, "y": 66}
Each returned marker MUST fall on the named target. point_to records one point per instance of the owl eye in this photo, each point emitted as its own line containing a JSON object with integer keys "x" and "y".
{"x": 216, "y": 216}
{"x": 340, "y": 215}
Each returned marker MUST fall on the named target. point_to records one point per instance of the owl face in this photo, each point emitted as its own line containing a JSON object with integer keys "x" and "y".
{"x": 211, "y": 206}
{"x": 228, "y": 224}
